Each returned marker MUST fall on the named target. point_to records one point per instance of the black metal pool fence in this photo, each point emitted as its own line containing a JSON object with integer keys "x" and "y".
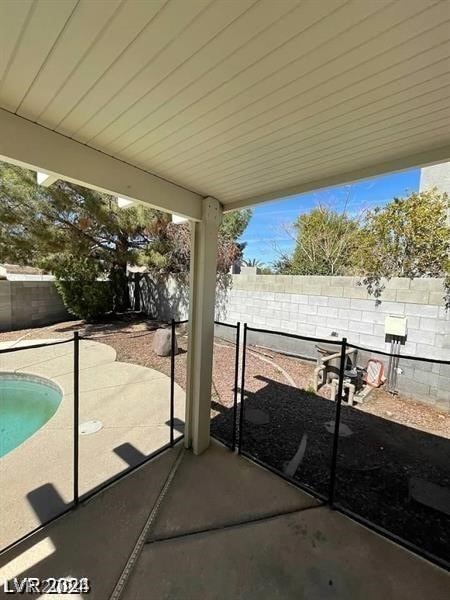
{"x": 77, "y": 498}
{"x": 391, "y": 476}
{"x": 387, "y": 475}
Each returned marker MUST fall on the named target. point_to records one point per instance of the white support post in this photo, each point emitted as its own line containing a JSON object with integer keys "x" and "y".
{"x": 204, "y": 237}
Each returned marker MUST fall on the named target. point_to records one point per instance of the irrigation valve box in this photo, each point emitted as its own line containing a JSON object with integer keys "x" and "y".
{"x": 395, "y": 326}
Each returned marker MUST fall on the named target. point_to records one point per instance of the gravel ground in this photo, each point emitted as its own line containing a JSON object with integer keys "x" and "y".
{"x": 377, "y": 458}
{"x": 391, "y": 438}
{"x": 131, "y": 337}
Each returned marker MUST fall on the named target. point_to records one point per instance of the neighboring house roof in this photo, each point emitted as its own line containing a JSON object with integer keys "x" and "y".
{"x": 19, "y": 269}
{"x": 20, "y": 273}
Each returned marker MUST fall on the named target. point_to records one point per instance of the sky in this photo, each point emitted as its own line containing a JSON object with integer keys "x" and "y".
{"x": 266, "y": 234}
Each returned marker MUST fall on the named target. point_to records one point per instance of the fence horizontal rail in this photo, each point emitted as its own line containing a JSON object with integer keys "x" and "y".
{"x": 404, "y": 356}
{"x": 295, "y": 336}
{"x": 130, "y": 334}
{"x": 338, "y": 342}
{"x": 34, "y": 346}
{"x": 230, "y": 325}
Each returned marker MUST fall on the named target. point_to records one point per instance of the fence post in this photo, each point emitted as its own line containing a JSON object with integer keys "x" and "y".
{"x": 241, "y": 414}
{"x": 172, "y": 380}
{"x": 236, "y": 383}
{"x": 337, "y": 421}
{"x": 76, "y": 413}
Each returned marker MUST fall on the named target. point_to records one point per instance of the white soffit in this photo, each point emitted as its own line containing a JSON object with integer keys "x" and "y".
{"x": 240, "y": 100}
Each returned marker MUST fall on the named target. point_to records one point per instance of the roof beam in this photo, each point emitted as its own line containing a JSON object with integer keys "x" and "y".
{"x": 28, "y": 144}
{"x": 422, "y": 159}
{"x": 123, "y": 202}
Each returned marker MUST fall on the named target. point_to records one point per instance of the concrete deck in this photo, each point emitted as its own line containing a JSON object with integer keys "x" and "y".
{"x": 226, "y": 529}
{"x": 131, "y": 401}
{"x": 94, "y": 540}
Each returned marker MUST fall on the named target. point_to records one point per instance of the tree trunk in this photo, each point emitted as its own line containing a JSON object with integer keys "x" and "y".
{"x": 119, "y": 278}
{"x": 137, "y": 292}
{"x": 119, "y": 282}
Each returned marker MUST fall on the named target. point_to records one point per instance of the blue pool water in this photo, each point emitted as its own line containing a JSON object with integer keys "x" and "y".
{"x": 27, "y": 402}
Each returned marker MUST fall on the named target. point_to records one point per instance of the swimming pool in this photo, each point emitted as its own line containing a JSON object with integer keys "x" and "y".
{"x": 27, "y": 402}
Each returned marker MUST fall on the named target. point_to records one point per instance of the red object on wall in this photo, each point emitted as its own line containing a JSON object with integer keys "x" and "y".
{"x": 374, "y": 372}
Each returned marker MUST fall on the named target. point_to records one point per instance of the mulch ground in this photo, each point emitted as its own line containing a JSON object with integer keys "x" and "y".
{"x": 391, "y": 438}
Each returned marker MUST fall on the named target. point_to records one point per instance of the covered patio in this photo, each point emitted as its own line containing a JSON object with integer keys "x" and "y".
{"x": 173, "y": 530}
{"x": 198, "y": 108}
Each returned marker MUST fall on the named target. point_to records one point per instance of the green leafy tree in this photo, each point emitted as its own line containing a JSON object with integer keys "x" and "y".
{"x": 54, "y": 228}
{"x": 235, "y": 223}
{"x": 283, "y": 265}
{"x": 265, "y": 270}
{"x": 83, "y": 290}
{"x": 83, "y": 237}
{"x": 262, "y": 268}
{"x": 325, "y": 244}
{"x": 232, "y": 227}
{"x": 409, "y": 237}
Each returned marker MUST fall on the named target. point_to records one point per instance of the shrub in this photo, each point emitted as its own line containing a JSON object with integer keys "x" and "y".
{"x": 86, "y": 300}
{"x": 83, "y": 293}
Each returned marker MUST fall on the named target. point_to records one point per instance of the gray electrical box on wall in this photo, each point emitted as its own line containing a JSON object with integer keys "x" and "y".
{"x": 395, "y": 325}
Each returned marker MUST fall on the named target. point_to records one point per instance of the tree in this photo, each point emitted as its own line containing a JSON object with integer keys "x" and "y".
{"x": 325, "y": 244}
{"x": 260, "y": 266}
{"x": 55, "y": 227}
{"x": 283, "y": 265}
{"x": 253, "y": 262}
{"x": 232, "y": 227}
{"x": 409, "y": 237}
{"x": 265, "y": 270}
{"x": 173, "y": 256}
{"x": 65, "y": 228}
{"x": 235, "y": 223}
{"x": 83, "y": 289}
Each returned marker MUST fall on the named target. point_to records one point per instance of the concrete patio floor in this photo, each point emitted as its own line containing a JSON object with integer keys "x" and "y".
{"x": 131, "y": 402}
{"x": 225, "y": 528}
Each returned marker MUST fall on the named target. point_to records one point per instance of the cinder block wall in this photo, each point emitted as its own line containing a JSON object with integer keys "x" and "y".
{"x": 5, "y": 306}
{"x": 327, "y": 306}
{"x": 319, "y": 306}
{"x": 323, "y": 306}
{"x": 162, "y": 298}
{"x": 26, "y": 304}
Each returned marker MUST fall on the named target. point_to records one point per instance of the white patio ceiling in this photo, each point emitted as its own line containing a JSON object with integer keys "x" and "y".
{"x": 241, "y": 100}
